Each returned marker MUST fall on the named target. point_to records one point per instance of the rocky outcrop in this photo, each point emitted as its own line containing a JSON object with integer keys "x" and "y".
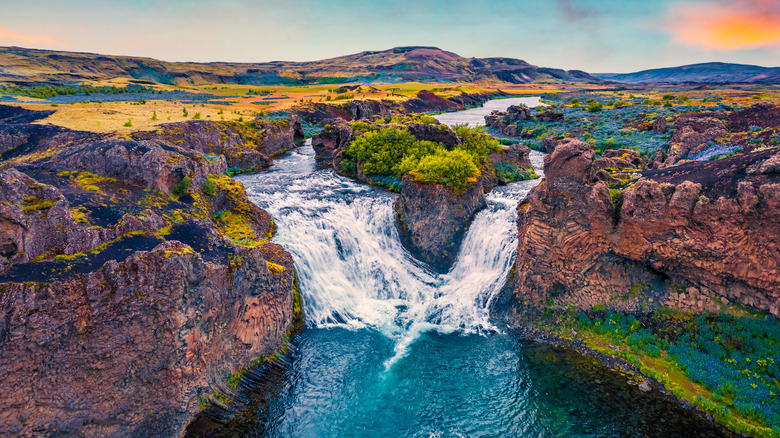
{"x": 582, "y": 243}
{"x": 134, "y": 278}
{"x": 438, "y": 133}
{"x": 433, "y": 219}
{"x": 18, "y": 136}
{"x": 424, "y": 101}
{"x": 659, "y": 125}
{"x": 36, "y": 219}
{"x": 245, "y": 147}
{"x": 550, "y": 116}
{"x": 131, "y": 349}
{"x": 150, "y": 164}
{"x": 505, "y": 122}
{"x": 692, "y": 131}
{"x": 335, "y": 136}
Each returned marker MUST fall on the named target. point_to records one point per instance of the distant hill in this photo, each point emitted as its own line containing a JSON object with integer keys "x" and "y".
{"x": 428, "y": 64}
{"x": 711, "y": 72}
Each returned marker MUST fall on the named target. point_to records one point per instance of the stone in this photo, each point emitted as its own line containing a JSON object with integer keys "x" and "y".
{"x": 659, "y": 125}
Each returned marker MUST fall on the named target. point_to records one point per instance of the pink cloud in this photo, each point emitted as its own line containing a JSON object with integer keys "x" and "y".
{"x": 9, "y": 37}
{"x": 726, "y": 25}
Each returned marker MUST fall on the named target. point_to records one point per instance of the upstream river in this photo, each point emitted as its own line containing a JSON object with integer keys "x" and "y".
{"x": 394, "y": 349}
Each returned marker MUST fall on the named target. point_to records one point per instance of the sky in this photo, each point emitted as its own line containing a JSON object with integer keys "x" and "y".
{"x": 598, "y": 36}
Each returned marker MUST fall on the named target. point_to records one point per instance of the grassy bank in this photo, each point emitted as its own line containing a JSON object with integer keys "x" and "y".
{"x": 725, "y": 365}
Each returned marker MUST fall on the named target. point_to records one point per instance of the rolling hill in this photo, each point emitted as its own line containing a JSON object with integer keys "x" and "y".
{"x": 711, "y": 72}
{"x": 428, "y": 64}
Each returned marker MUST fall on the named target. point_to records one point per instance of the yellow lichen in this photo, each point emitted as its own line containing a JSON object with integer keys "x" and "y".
{"x": 276, "y": 269}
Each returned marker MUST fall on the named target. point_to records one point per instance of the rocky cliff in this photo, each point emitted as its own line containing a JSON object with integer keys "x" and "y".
{"x": 132, "y": 348}
{"x": 696, "y": 235}
{"x": 134, "y": 277}
{"x": 432, "y": 219}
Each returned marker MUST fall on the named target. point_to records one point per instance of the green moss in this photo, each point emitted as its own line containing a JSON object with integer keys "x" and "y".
{"x": 86, "y": 180}
{"x": 32, "y": 204}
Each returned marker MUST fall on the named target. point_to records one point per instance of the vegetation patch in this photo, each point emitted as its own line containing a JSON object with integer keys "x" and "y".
{"x": 386, "y": 154}
{"x": 32, "y": 204}
{"x": 724, "y": 364}
{"x": 86, "y": 180}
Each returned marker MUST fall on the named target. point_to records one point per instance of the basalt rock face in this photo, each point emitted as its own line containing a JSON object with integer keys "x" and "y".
{"x": 676, "y": 229}
{"x": 244, "y": 148}
{"x": 432, "y": 219}
{"x": 129, "y": 349}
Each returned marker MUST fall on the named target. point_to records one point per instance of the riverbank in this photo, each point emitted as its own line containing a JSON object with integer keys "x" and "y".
{"x": 638, "y": 347}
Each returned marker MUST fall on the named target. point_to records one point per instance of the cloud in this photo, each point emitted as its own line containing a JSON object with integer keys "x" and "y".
{"x": 8, "y": 37}
{"x": 572, "y": 11}
{"x": 726, "y": 25}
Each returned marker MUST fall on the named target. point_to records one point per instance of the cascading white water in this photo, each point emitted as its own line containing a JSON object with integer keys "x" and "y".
{"x": 352, "y": 267}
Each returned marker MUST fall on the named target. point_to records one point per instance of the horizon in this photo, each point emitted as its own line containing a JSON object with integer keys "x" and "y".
{"x": 382, "y": 50}
{"x": 598, "y": 36}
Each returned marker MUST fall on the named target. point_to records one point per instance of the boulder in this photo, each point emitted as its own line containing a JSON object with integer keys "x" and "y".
{"x": 659, "y": 125}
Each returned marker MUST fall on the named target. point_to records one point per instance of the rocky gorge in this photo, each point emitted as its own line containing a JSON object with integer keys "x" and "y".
{"x": 148, "y": 278}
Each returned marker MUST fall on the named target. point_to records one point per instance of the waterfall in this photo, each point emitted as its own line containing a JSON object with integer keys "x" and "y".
{"x": 352, "y": 268}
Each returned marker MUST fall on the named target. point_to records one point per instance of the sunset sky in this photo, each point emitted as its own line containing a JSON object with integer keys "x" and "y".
{"x": 593, "y": 35}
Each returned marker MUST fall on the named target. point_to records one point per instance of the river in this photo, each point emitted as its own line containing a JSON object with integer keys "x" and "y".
{"x": 393, "y": 349}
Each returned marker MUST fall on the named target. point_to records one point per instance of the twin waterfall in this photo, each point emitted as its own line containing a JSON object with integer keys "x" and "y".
{"x": 352, "y": 268}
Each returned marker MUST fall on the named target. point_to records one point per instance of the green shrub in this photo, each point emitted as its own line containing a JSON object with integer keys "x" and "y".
{"x": 196, "y": 116}
{"x": 476, "y": 142}
{"x": 594, "y": 107}
{"x": 128, "y": 123}
{"x": 209, "y": 187}
{"x": 383, "y": 152}
{"x": 181, "y": 186}
{"x": 455, "y": 169}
